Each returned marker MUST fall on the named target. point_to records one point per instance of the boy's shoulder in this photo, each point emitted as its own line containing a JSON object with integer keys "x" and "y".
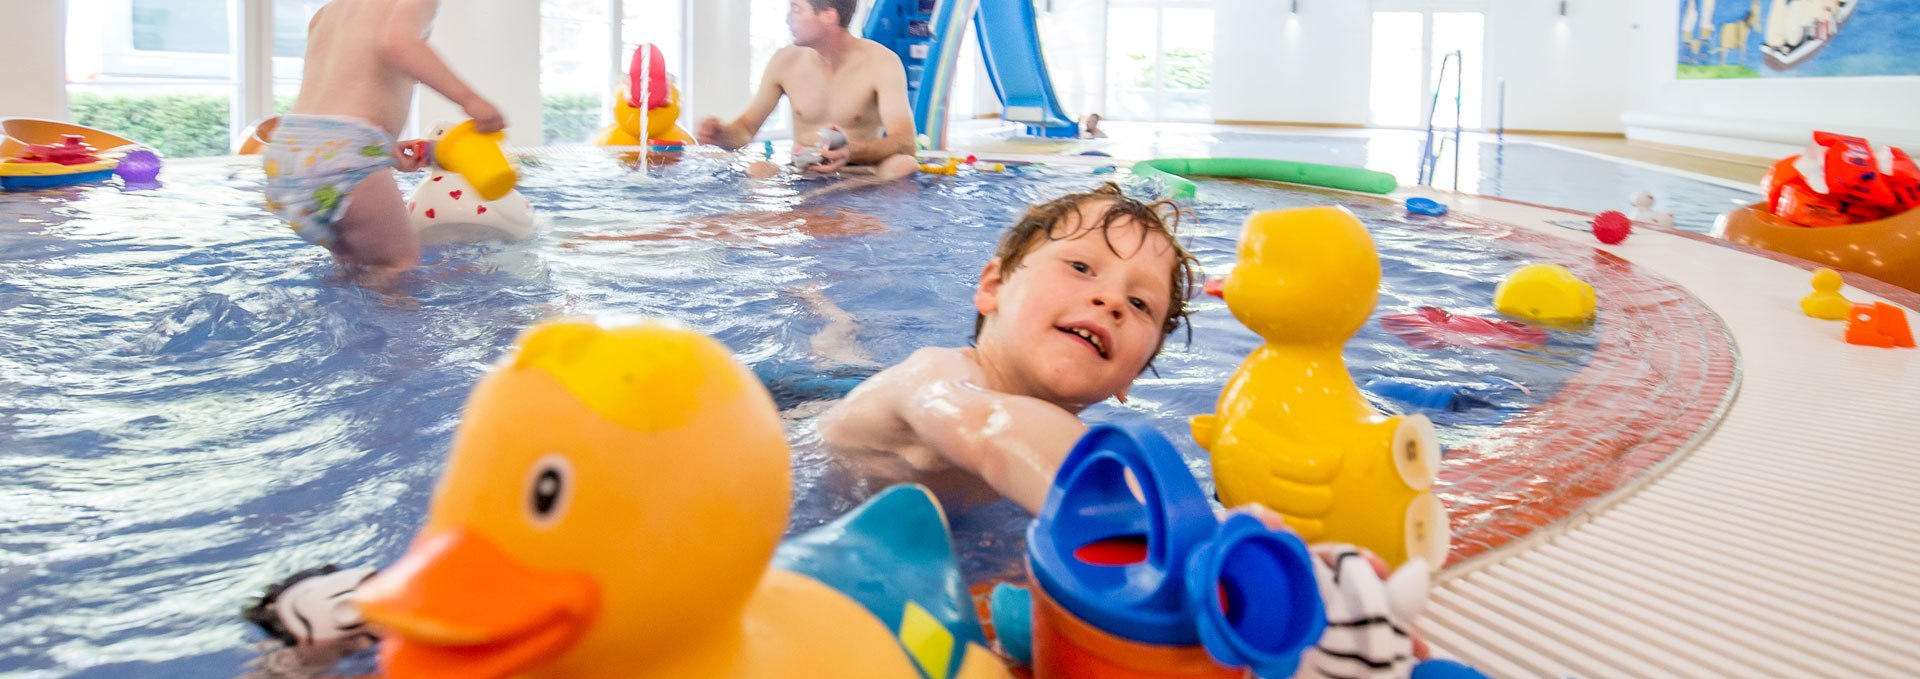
{"x": 928, "y": 365}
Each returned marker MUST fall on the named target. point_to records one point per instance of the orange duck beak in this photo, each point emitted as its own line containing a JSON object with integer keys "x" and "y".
{"x": 1216, "y": 287}
{"x": 457, "y": 606}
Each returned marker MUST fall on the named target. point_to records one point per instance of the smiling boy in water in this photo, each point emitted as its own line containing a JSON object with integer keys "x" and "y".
{"x": 1079, "y": 297}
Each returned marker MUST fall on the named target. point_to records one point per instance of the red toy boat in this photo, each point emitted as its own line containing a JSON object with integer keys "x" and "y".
{"x": 1435, "y": 328}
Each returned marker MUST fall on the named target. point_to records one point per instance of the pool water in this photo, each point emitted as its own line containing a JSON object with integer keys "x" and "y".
{"x": 1524, "y": 171}
{"x": 194, "y": 404}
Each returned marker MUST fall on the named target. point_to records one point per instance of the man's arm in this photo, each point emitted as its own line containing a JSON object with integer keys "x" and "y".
{"x": 403, "y": 45}
{"x": 896, "y": 117}
{"x": 738, "y": 133}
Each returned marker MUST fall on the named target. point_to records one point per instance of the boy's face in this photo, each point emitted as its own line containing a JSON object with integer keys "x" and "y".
{"x": 1076, "y": 322}
{"x": 808, "y": 23}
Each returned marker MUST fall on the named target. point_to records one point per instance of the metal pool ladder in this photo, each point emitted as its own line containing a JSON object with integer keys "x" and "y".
{"x": 1435, "y": 147}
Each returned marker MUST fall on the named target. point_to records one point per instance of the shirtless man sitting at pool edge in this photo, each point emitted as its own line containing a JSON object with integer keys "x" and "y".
{"x": 832, "y": 79}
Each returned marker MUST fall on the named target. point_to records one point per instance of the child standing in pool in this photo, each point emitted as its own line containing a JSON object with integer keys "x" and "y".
{"x": 329, "y": 167}
{"x": 1079, "y": 297}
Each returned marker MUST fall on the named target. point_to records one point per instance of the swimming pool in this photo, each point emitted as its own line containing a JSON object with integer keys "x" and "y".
{"x": 194, "y": 405}
{"x": 1512, "y": 168}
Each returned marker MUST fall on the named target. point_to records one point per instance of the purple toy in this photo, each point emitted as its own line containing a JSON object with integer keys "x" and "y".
{"x": 139, "y": 168}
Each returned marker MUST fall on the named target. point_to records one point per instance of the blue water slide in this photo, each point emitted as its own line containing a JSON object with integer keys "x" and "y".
{"x": 927, "y": 35}
{"x": 1010, "y": 41}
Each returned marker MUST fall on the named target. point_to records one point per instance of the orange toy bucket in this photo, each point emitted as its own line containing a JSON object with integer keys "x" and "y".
{"x": 1066, "y": 647}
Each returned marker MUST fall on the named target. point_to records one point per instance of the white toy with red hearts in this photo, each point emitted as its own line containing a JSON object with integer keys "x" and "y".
{"x": 446, "y": 209}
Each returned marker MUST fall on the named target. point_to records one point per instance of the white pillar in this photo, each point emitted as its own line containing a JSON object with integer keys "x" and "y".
{"x": 494, "y": 45}
{"x": 720, "y": 73}
{"x": 34, "y": 79}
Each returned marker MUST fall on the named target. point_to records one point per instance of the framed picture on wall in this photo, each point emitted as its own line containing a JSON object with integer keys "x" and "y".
{"x": 1798, "y": 38}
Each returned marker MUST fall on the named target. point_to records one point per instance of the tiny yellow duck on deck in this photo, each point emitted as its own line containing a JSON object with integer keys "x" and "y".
{"x": 1291, "y": 430}
{"x": 610, "y": 507}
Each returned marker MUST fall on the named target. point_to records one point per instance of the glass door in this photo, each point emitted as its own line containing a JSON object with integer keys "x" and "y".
{"x": 1409, "y": 45}
{"x": 1159, "y": 60}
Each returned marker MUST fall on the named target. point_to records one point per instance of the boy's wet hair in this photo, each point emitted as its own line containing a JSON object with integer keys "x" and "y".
{"x": 844, "y": 7}
{"x": 1043, "y": 222}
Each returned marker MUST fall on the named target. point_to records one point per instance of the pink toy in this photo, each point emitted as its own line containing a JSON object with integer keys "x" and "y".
{"x": 1612, "y": 227}
{"x": 72, "y": 150}
{"x": 1435, "y": 328}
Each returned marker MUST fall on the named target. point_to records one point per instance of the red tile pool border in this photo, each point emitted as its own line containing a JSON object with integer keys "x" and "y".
{"x": 1663, "y": 373}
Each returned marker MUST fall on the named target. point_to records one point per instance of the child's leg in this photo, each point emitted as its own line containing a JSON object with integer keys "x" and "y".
{"x": 375, "y": 231}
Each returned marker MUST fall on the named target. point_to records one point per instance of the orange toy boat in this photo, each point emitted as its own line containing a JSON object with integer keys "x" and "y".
{"x": 1885, "y": 249}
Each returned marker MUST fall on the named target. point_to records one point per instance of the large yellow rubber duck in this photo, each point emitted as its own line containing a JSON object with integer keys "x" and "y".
{"x": 648, "y": 73}
{"x": 609, "y": 509}
{"x": 1291, "y": 430}
{"x": 662, "y": 122}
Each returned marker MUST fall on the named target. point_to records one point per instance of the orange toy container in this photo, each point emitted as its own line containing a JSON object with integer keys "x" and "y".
{"x": 1886, "y": 249}
{"x": 1066, "y": 647}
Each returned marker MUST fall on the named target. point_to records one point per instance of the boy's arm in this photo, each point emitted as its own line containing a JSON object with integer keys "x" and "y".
{"x": 404, "y": 47}
{"x": 736, "y": 134}
{"x": 930, "y": 402}
{"x": 1015, "y": 443}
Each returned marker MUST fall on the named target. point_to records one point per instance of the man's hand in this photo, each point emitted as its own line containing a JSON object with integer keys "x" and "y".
{"x": 485, "y": 117}
{"x": 831, "y": 161}
{"x": 712, "y": 131}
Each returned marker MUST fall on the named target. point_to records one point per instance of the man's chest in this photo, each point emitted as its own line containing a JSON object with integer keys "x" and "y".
{"x": 844, "y": 98}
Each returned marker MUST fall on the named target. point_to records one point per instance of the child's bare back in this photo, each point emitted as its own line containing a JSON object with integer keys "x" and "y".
{"x": 330, "y": 166}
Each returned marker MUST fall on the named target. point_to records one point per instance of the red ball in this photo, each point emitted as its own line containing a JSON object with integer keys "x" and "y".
{"x": 1612, "y": 227}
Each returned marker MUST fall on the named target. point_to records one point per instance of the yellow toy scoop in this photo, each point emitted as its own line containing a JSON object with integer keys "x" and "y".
{"x": 477, "y": 157}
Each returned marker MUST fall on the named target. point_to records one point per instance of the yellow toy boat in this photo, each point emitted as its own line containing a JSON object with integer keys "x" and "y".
{"x": 1291, "y": 430}
{"x": 609, "y": 509}
{"x": 38, "y": 154}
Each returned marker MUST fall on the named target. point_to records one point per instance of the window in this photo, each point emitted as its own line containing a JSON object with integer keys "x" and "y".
{"x": 767, "y": 33}
{"x": 576, "y": 69}
{"x": 1160, "y": 60}
{"x": 1408, "y": 50}
{"x": 161, "y": 72}
{"x": 290, "y": 19}
{"x": 180, "y": 26}
{"x": 1396, "y": 92}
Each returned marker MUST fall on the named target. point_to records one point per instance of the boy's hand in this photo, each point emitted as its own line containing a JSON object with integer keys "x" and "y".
{"x": 410, "y": 156}
{"x": 485, "y": 117}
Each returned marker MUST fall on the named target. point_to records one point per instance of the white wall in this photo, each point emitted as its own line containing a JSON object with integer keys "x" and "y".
{"x": 1314, "y": 66}
{"x": 1271, "y": 65}
{"x": 1768, "y": 117}
{"x": 494, "y": 45}
{"x": 34, "y": 78}
{"x": 1563, "y": 73}
{"x": 719, "y": 74}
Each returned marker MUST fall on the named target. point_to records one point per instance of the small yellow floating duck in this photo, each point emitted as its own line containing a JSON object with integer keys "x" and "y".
{"x": 1545, "y": 293}
{"x": 609, "y": 509}
{"x": 1291, "y": 430}
{"x": 1826, "y": 302}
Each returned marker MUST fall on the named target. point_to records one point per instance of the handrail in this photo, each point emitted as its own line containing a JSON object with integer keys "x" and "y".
{"x": 1429, "y": 156}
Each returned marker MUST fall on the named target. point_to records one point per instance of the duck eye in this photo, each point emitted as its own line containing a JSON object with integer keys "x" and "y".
{"x": 547, "y": 489}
